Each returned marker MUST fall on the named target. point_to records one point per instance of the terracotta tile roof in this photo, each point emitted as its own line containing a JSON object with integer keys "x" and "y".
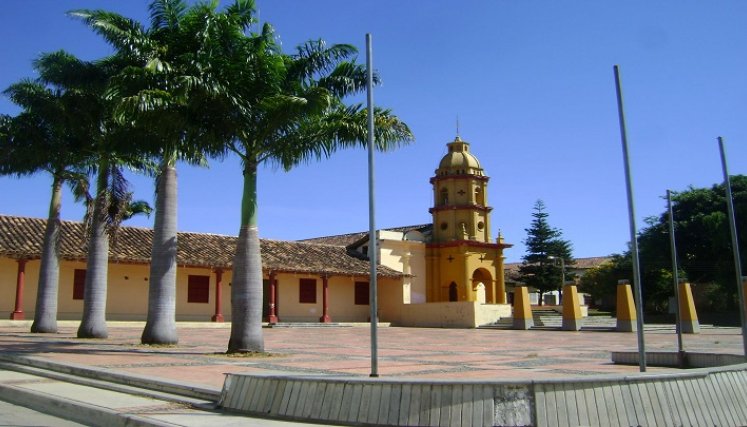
{"x": 338, "y": 240}
{"x": 22, "y": 237}
{"x": 351, "y": 238}
{"x": 512, "y": 268}
{"x": 591, "y": 262}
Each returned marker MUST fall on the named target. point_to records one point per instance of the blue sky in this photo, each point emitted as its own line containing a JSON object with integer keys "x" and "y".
{"x": 531, "y": 82}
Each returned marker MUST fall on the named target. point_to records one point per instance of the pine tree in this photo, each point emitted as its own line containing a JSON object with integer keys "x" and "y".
{"x": 541, "y": 267}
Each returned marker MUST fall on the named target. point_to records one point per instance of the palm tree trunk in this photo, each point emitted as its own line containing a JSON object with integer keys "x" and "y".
{"x": 246, "y": 290}
{"x": 45, "y": 315}
{"x": 160, "y": 327}
{"x": 93, "y": 324}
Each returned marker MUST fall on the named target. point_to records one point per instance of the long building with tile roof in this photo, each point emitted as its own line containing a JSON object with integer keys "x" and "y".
{"x": 22, "y": 238}
{"x": 304, "y": 281}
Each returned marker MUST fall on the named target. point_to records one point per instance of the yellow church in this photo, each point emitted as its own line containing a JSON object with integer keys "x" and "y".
{"x": 449, "y": 273}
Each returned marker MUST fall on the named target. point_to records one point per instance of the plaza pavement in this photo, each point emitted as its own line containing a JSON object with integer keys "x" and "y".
{"x": 412, "y": 352}
{"x": 491, "y": 354}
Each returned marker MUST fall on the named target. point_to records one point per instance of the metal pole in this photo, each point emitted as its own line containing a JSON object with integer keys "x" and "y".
{"x": 372, "y": 238}
{"x": 734, "y": 242}
{"x": 562, "y": 274}
{"x": 633, "y": 229}
{"x": 675, "y": 276}
{"x": 562, "y": 271}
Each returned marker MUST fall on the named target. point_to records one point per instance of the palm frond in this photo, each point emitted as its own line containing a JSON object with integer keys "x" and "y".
{"x": 137, "y": 207}
{"x": 79, "y": 185}
{"x": 124, "y": 34}
{"x": 29, "y": 94}
{"x": 344, "y": 127}
{"x": 64, "y": 70}
{"x": 346, "y": 79}
{"x": 241, "y": 12}
{"x": 166, "y": 13}
{"x": 314, "y": 57}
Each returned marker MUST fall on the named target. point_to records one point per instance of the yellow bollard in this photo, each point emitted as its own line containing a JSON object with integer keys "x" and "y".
{"x": 688, "y": 317}
{"x": 571, "y": 309}
{"x": 626, "y": 316}
{"x": 522, "y": 309}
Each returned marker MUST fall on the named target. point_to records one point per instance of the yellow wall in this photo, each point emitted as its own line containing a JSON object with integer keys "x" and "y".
{"x": 127, "y": 292}
{"x": 342, "y": 307}
{"x": 127, "y": 295}
{"x": 8, "y": 275}
{"x": 407, "y": 256}
{"x": 201, "y": 311}
{"x": 465, "y": 260}
{"x": 465, "y": 314}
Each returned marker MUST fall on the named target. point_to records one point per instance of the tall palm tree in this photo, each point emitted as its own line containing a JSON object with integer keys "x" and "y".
{"x": 107, "y": 150}
{"x": 165, "y": 90}
{"x": 297, "y": 114}
{"x": 45, "y": 137}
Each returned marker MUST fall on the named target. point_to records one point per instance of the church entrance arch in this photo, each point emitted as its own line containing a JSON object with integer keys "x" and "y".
{"x": 482, "y": 285}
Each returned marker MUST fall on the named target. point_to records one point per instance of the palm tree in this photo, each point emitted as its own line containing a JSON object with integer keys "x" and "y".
{"x": 107, "y": 149}
{"x": 165, "y": 91}
{"x": 44, "y": 137}
{"x": 297, "y": 114}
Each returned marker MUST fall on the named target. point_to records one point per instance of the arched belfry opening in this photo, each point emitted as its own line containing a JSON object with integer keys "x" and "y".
{"x": 444, "y": 199}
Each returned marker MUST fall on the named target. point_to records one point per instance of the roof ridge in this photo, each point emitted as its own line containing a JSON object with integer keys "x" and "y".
{"x": 413, "y": 226}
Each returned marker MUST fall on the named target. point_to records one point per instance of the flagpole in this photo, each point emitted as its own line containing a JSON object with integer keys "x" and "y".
{"x": 676, "y": 279}
{"x": 633, "y": 229}
{"x": 372, "y": 238}
{"x": 734, "y": 243}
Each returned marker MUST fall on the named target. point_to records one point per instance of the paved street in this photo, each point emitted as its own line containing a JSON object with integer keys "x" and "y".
{"x": 199, "y": 360}
{"x": 411, "y": 352}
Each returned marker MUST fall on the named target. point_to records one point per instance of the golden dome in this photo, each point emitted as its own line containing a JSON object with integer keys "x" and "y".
{"x": 459, "y": 161}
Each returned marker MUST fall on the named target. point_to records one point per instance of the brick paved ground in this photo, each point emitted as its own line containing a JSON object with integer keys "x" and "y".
{"x": 412, "y": 352}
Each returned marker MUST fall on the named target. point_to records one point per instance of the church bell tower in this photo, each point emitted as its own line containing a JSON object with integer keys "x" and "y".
{"x": 462, "y": 262}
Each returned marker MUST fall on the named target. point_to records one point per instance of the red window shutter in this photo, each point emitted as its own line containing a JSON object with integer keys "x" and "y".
{"x": 198, "y": 289}
{"x": 361, "y": 293}
{"x": 307, "y": 291}
{"x": 79, "y": 283}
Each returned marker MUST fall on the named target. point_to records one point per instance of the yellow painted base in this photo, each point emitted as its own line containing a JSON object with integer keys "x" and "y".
{"x": 626, "y": 315}
{"x": 688, "y": 316}
{"x": 571, "y": 309}
{"x": 523, "y": 318}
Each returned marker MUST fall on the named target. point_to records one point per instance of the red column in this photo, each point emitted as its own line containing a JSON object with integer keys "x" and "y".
{"x": 325, "y": 301}
{"x": 218, "y": 316}
{"x": 272, "y": 318}
{"x": 17, "y": 314}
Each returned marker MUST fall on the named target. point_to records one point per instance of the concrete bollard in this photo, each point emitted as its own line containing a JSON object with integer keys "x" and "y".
{"x": 626, "y": 315}
{"x": 571, "y": 309}
{"x": 688, "y": 317}
{"x": 523, "y": 318}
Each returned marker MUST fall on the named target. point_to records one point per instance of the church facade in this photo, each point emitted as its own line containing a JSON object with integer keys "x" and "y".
{"x": 449, "y": 273}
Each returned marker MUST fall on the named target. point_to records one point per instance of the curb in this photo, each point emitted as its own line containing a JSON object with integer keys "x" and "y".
{"x": 74, "y": 411}
{"x": 149, "y": 383}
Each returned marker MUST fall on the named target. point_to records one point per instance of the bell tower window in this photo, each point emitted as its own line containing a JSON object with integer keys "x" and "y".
{"x": 479, "y": 196}
{"x": 444, "y": 198}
